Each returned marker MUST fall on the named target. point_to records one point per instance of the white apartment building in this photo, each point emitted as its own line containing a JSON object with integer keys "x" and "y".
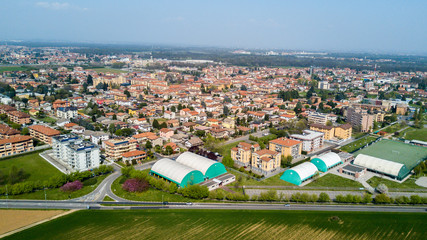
{"x": 321, "y": 118}
{"x": 66, "y": 112}
{"x": 311, "y": 140}
{"x": 80, "y": 155}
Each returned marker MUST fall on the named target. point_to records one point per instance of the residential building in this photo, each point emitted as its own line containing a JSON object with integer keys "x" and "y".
{"x": 344, "y": 131}
{"x": 80, "y": 155}
{"x": 265, "y": 161}
{"x": 329, "y": 131}
{"x": 173, "y": 145}
{"x": 324, "y": 85}
{"x": 311, "y": 140}
{"x": 15, "y": 144}
{"x": 60, "y": 103}
{"x": 115, "y": 148}
{"x": 360, "y": 118}
{"x": 66, "y": 112}
{"x": 401, "y": 109}
{"x": 242, "y": 154}
{"x": 19, "y": 117}
{"x": 166, "y": 133}
{"x": 43, "y": 133}
{"x": 136, "y": 155}
{"x": 286, "y": 147}
{"x": 321, "y": 118}
{"x": 8, "y": 132}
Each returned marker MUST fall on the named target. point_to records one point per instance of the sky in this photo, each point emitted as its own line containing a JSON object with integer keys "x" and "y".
{"x": 392, "y": 26}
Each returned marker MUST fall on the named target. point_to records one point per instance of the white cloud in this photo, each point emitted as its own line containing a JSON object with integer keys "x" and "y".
{"x": 59, "y": 6}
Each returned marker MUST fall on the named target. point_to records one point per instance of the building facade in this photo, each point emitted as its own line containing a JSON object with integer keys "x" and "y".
{"x": 311, "y": 140}
{"x": 360, "y": 118}
{"x": 242, "y": 154}
{"x": 15, "y": 145}
{"x": 80, "y": 155}
{"x": 43, "y": 133}
{"x": 286, "y": 147}
{"x": 115, "y": 148}
{"x": 265, "y": 161}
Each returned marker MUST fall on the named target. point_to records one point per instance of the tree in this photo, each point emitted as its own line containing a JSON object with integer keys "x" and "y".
{"x": 226, "y": 111}
{"x": 89, "y": 80}
{"x": 228, "y": 161}
{"x": 298, "y": 108}
{"x": 243, "y": 88}
{"x": 310, "y": 92}
{"x": 329, "y": 123}
{"x": 156, "y": 124}
{"x": 324, "y": 197}
{"x": 25, "y": 131}
{"x": 127, "y": 93}
{"x": 169, "y": 150}
{"x": 148, "y": 145}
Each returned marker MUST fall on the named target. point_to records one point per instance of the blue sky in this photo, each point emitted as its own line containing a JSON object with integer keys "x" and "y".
{"x": 346, "y": 25}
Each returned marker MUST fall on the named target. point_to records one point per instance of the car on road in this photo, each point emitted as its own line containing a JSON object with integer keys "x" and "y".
{"x": 287, "y": 205}
{"x": 265, "y": 134}
{"x": 189, "y": 203}
{"x": 165, "y": 203}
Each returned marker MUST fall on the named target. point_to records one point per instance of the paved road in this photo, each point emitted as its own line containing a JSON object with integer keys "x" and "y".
{"x": 236, "y": 206}
{"x": 104, "y": 188}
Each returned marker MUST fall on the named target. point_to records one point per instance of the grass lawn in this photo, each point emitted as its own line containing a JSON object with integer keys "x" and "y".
{"x": 225, "y": 150}
{"x": 48, "y": 120}
{"x": 408, "y": 184}
{"x": 351, "y": 147}
{"x": 107, "y": 70}
{"x": 57, "y": 194}
{"x": 33, "y": 164}
{"x": 228, "y": 224}
{"x": 358, "y": 135}
{"x": 393, "y": 128}
{"x": 272, "y": 181}
{"x": 331, "y": 180}
{"x": 108, "y": 199}
{"x": 417, "y": 134}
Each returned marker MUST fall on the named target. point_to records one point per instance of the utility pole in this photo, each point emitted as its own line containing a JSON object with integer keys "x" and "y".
{"x": 7, "y": 197}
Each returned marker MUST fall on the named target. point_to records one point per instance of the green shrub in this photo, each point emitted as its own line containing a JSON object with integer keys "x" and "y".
{"x": 195, "y": 191}
{"x": 324, "y": 197}
{"x": 382, "y": 199}
{"x": 90, "y": 182}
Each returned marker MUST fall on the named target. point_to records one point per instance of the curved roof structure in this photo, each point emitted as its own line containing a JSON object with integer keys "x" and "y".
{"x": 206, "y": 166}
{"x": 300, "y": 173}
{"x": 380, "y": 165}
{"x": 176, "y": 172}
{"x": 326, "y": 161}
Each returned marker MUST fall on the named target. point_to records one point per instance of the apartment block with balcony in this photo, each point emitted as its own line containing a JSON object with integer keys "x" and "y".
{"x": 286, "y": 147}
{"x": 15, "y": 145}
{"x": 115, "y": 148}
{"x": 80, "y": 155}
{"x": 242, "y": 153}
{"x": 265, "y": 161}
{"x": 19, "y": 117}
{"x": 360, "y": 118}
{"x": 311, "y": 140}
{"x": 43, "y": 133}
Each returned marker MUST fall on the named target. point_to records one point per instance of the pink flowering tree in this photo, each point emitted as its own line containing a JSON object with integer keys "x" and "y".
{"x": 135, "y": 185}
{"x": 72, "y": 186}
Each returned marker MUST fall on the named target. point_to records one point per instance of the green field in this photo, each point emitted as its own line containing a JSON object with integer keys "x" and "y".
{"x": 33, "y": 164}
{"x": 15, "y": 68}
{"x": 48, "y": 120}
{"x": 408, "y": 184}
{"x": 351, "y": 147}
{"x": 107, "y": 70}
{"x": 395, "y": 151}
{"x": 331, "y": 180}
{"x": 229, "y": 224}
{"x": 417, "y": 134}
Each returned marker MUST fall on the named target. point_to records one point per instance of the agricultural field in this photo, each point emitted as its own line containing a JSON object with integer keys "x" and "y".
{"x": 14, "y": 219}
{"x": 223, "y": 224}
{"x": 351, "y": 147}
{"x": 35, "y": 166}
{"x": 408, "y": 184}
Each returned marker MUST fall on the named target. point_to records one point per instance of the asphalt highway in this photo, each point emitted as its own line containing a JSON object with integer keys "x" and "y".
{"x": 71, "y": 204}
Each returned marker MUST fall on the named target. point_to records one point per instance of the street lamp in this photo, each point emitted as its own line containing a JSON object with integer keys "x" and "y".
{"x": 7, "y": 197}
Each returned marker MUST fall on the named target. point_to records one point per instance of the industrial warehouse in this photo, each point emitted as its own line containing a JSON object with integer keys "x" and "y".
{"x": 191, "y": 169}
